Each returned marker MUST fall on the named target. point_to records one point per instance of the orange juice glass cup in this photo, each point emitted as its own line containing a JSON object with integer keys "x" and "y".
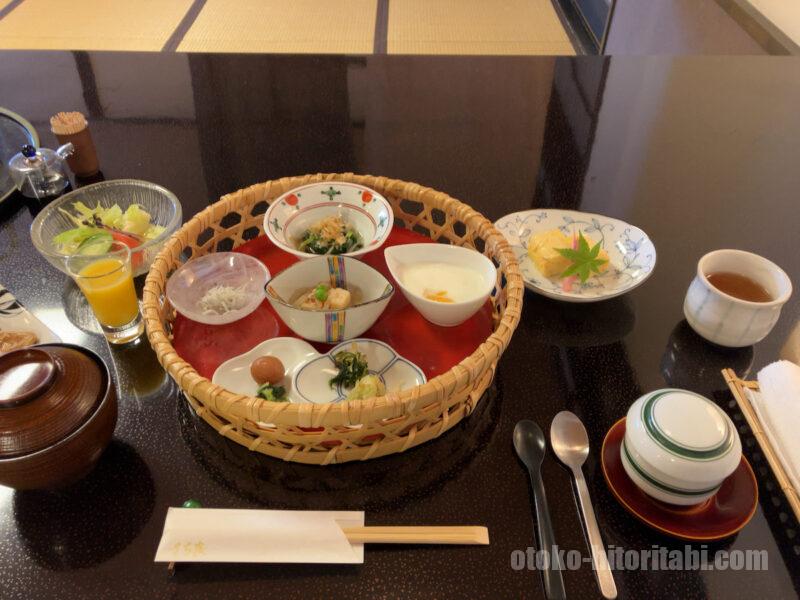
{"x": 106, "y": 281}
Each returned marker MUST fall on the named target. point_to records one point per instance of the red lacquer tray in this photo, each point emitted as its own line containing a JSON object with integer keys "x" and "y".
{"x": 433, "y": 348}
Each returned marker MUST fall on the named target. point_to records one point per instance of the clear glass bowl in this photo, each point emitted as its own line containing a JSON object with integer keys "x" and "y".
{"x": 163, "y": 206}
{"x": 189, "y": 283}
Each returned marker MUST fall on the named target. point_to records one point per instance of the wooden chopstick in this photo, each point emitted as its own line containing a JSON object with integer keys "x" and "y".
{"x": 465, "y": 535}
{"x": 417, "y": 535}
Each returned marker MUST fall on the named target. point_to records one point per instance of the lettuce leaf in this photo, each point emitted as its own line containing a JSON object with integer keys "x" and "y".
{"x": 111, "y": 217}
{"x": 135, "y": 220}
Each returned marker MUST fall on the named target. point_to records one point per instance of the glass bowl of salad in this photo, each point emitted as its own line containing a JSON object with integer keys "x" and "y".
{"x": 137, "y": 213}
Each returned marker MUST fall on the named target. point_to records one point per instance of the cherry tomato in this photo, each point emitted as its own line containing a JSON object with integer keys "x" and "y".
{"x": 131, "y": 242}
{"x": 128, "y": 240}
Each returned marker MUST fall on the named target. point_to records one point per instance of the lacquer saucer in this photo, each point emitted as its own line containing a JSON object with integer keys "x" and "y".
{"x": 722, "y": 515}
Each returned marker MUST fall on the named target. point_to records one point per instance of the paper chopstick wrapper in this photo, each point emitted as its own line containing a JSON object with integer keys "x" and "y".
{"x": 777, "y": 404}
{"x": 255, "y": 536}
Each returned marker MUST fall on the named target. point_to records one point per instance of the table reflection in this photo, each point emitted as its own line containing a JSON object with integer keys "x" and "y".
{"x": 693, "y": 363}
{"x": 139, "y": 375}
{"x": 575, "y": 325}
{"x": 678, "y": 147}
{"x": 117, "y": 498}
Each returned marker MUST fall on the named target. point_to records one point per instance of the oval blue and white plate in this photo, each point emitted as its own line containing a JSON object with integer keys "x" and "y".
{"x": 310, "y": 382}
{"x": 631, "y": 252}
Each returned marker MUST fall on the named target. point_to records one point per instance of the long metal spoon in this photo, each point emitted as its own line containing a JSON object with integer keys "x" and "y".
{"x": 571, "y": 445}
{"x": 530, "y": 444}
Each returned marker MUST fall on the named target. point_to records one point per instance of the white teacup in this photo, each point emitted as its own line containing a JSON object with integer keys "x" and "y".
{"x": 729, "y": 321}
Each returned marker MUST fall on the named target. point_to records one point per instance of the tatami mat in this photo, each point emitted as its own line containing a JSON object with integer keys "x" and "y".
{"x": 91, "y": 24}
{"x": 476, "y": 27}
{"x": 286, "y": 26}
{"x": 301, "y": 26}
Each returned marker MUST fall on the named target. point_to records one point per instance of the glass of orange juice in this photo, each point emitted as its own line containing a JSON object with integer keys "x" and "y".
{"x": 107, "y": 282}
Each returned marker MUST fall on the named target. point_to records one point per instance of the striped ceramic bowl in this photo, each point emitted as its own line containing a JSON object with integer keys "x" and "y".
{"x": 679, "y": 446}
{"x": 371, "y": 293}
{"x": 727, "y": 320}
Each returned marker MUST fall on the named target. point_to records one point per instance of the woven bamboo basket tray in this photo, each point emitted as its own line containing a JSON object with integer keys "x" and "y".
{"x": 323, "y": 434}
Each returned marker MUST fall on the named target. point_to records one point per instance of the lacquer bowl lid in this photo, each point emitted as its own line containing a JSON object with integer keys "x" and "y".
{"x": 46, "y": 393}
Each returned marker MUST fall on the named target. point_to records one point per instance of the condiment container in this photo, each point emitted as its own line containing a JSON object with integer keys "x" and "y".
{"x": 58, "y": 410}
{"x": 679, "y": 446}
{"x": 72, "y": 127}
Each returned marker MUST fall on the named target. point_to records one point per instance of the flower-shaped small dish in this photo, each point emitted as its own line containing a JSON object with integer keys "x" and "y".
{"x": 234, "y": 374}
{"x": 461, "y": 278}
{"x": 190, "y": 284}
{"x": 370, "y": 293}
{"x": 311, "y": 382}
{"x": 361, "y": 209}
{"x": 631, "y": 253}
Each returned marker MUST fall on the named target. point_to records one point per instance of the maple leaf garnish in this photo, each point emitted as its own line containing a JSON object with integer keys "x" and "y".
{"x": 583, "y": 258}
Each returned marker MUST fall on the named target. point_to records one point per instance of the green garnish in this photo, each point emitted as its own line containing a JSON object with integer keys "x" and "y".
{"x": 321, "y": 292}
{"x": 584, "y": 259}
{"x": 315, "y": 243}
{"x": 352, "y": 367}
{"x": 273, "y": 393}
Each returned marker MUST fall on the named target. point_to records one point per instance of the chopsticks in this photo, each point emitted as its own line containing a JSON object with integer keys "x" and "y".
{"x": 468, "y": 535}
{"x": 461, "y": 535}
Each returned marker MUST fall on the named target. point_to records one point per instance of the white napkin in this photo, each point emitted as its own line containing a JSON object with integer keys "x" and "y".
{"x": 273, "y": 536}
{"x": 777, "y": 405}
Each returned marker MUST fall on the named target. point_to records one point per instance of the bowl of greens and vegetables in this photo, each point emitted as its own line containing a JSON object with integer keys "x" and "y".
{"x": 329, "y": 218}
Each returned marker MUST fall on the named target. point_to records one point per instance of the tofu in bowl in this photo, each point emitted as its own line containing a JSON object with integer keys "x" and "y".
{"x": 329, "y": 298}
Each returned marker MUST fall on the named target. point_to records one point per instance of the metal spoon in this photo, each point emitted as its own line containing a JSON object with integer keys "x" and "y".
{"x": 571, "y": 445}
{"x": 530, "y": 444}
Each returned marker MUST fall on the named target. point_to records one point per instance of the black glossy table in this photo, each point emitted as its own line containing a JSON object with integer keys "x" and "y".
{"x": 699, "y": 152}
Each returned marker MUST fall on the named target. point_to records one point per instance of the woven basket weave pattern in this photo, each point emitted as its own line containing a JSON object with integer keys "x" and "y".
{"x": 358, "y": 430}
